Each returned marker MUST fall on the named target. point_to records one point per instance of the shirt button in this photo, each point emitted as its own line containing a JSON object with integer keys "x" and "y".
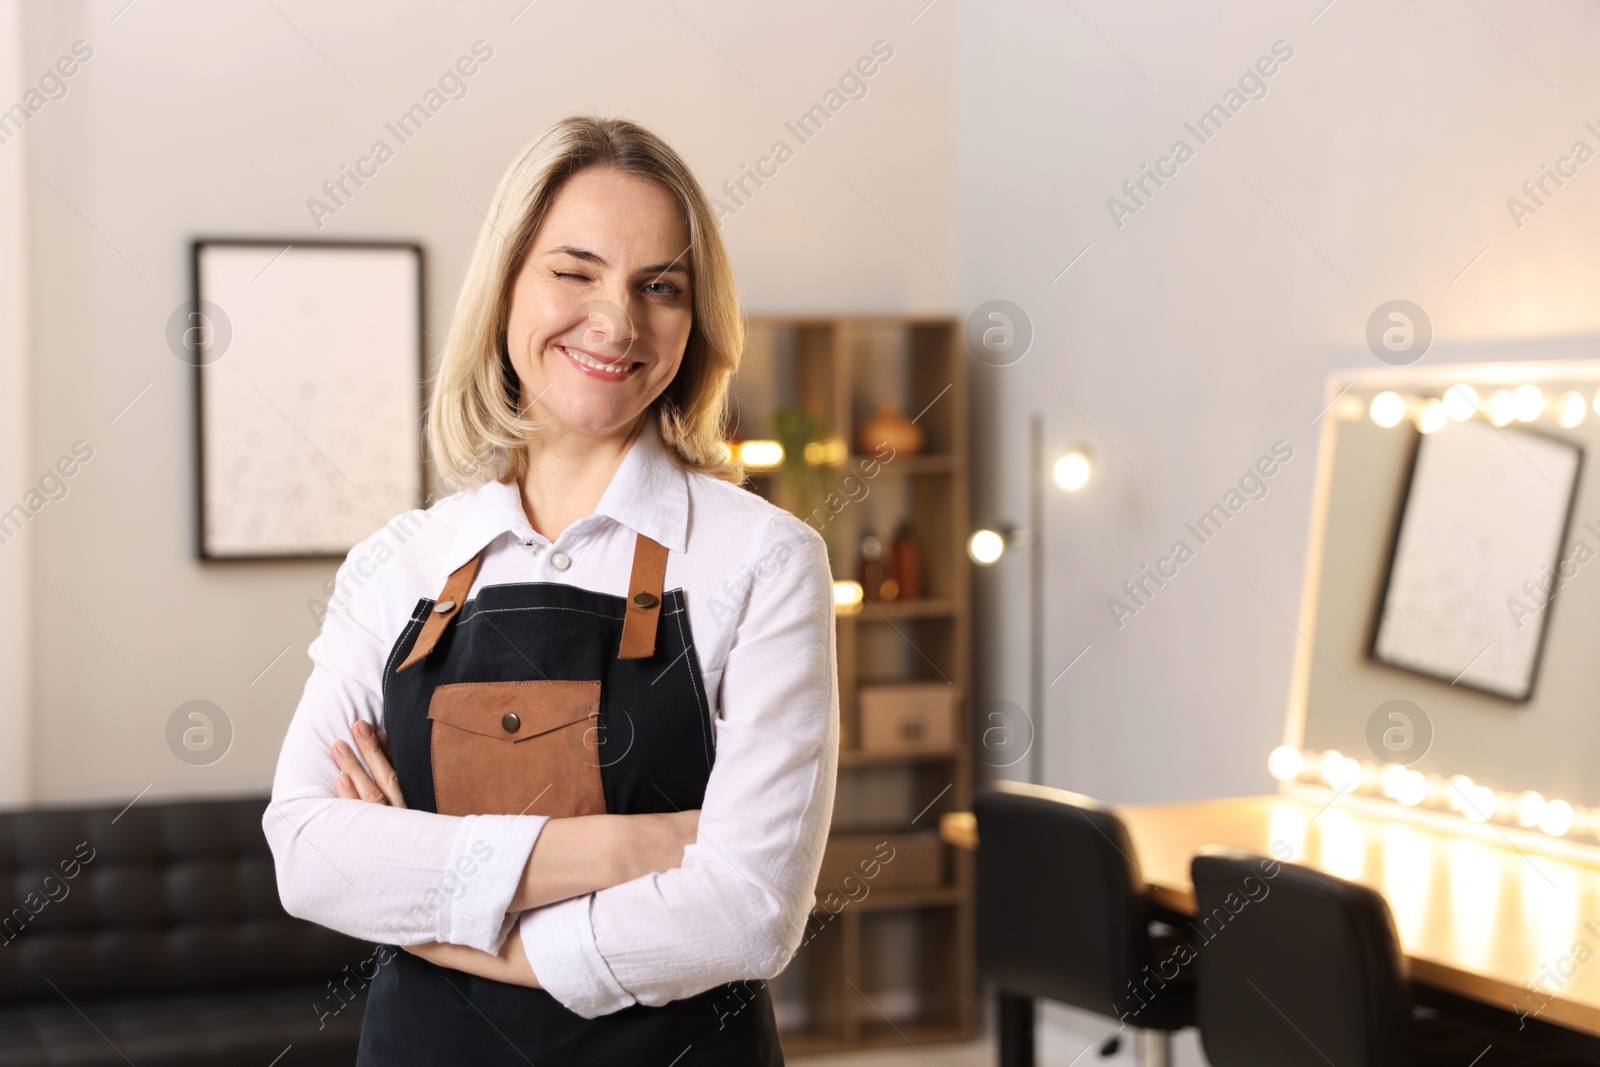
{"x": 560, "y": 560}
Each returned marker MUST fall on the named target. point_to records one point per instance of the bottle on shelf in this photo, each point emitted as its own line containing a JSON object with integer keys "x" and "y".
{"x": 905, "y": 562}
{"x": 871, "y": 570}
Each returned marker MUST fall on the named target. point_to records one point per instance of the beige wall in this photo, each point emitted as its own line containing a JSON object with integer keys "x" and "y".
{"x": 194, "y": 118}
{"x": 1185, "y": 343}
{"x": 1181, "y": 346}
{"x": 16, "y": 625}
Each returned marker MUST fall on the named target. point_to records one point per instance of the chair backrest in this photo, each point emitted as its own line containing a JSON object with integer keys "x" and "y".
{"x": 156, "y": 897}
{"x": 1061, "y": 910}
{"x": 1295, "y": 967}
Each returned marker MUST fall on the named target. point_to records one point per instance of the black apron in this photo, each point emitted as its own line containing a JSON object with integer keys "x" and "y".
{"x": 655, "y": 755}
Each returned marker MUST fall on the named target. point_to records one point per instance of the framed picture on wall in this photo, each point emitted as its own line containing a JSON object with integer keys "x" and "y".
{"x": 308, "y": 393}
{"x": 1477, "y": 551}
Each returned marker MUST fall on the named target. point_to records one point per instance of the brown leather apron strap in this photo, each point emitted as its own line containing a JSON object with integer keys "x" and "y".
{"x": 445, "y": 608}
{"x": 644, "y": 599}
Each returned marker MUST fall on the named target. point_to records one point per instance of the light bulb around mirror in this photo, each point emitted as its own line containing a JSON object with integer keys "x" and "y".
{"x": 985, "y": 547}
{"x": 1480, "y": 803}
{"x": 1556, "y": 819}
{"x": 1387, "y": 409}
{"x": 1570, "y": 409}
{"x": 1284, "y": 763}
{"x": 1343, "y": 773}
{"x": 1502, "y": 409}
{"x": 1327, "y": 764}
{"x": 1402, "y": 783}
{"x": 1349, "y": 408}
{"x": 1582, "y": 820}
{"x": 1527, "y": 402}
{"x": 1433, "y": 417}
{"x": 1461, "y": 402}
{"x": 1412, "y": 788}
{"x": 1071, "y": 471}
{"x": 1528, "y": 808}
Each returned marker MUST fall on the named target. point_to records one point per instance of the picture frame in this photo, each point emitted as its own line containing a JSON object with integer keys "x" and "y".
{"x": 1485, "y": 514}
{"x": 308, "y": 392}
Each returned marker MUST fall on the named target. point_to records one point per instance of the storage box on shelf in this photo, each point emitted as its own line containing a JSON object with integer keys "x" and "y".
{"x": 908, "y": 717}
{"x": 856, "y": 864}
{"x": 888, "y": 954}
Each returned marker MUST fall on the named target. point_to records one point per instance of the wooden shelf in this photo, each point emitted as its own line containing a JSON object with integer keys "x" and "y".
{"x": 922, "y": 608}
{"x": 939, "y": 896}
{"x": 837, "y": 370}
{"x": 854, "y": 757}
{"x": 881, "y": 1034}
{"x": 812, "y": 1043}
{"x": 876, "y": 1033}
{"x": 901, "y": 465}
{"x": 935, "y": 463}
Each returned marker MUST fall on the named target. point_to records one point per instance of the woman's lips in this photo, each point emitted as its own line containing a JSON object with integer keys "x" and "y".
{"x": 594, "y": 366}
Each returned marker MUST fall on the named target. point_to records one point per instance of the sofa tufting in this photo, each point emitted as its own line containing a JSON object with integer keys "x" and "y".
{"x": 153, "y": 935}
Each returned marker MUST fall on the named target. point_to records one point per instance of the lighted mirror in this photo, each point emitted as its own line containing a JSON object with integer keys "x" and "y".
{"x": 1450, "y": 609}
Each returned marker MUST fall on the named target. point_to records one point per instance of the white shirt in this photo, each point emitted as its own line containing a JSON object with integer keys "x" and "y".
{"x": 760, "y": 603}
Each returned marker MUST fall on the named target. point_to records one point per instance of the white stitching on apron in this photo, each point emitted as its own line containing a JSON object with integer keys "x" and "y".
{"x": 535, "y": 607}
{"x": 399, "y": 643}
{"x": 705, "y": 712}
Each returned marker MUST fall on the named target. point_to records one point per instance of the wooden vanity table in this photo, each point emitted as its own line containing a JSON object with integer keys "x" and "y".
{"x": 1483, "y": 921}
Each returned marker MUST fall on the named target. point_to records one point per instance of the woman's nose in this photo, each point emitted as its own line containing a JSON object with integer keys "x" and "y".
{"x": 608, "y": 323}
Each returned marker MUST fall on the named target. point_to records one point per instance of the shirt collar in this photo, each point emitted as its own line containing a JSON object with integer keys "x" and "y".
{"x": 648, "y": 494}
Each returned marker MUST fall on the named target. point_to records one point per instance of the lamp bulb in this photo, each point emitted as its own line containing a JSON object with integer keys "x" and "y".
{"x": 1071, "y": 471}
{"x": 985, "y": 547}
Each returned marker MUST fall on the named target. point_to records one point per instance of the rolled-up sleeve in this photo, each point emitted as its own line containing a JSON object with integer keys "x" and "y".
{"x": 737, "y": 907}
{"x": 374, "y": 872}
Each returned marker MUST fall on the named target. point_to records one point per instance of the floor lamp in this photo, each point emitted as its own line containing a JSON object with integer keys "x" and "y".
{"x": 1069, "y": 473}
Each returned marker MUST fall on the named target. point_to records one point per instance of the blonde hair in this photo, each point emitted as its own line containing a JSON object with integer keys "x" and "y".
{"x": 476, "y": 432}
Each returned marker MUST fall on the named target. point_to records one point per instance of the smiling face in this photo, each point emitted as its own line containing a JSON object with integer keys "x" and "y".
{"x": 602, "y": 306}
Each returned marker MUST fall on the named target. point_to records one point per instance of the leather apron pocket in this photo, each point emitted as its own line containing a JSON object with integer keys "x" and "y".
{"x": 517, "y": 748}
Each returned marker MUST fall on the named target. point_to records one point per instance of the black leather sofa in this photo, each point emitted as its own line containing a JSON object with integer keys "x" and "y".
{"x": 154, "y": 936}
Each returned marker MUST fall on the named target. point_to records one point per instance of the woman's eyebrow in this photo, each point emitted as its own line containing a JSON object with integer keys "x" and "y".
{"x": 594, "y": 257}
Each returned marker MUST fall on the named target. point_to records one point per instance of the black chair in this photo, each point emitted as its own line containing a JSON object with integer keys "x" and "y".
{"x": 1064, "y": 915}
{"x": 1296, "y": 967}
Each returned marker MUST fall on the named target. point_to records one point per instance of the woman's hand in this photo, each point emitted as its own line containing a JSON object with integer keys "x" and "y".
{"x": 375, "y": 783}
{"x": 593, "y": 852}
{"x": 510, "y": 966}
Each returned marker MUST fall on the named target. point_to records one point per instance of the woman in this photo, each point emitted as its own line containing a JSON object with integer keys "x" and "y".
{"x": 570, "y": 737}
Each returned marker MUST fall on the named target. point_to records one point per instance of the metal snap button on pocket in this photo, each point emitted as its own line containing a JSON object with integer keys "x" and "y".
{"x": 510, "y": 723}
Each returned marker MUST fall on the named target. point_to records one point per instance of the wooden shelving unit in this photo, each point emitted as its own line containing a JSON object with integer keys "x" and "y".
{"x": 894, "y": 963}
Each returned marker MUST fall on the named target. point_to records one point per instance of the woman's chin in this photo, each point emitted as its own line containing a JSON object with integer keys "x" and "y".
{"x": 602, "y": 421}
